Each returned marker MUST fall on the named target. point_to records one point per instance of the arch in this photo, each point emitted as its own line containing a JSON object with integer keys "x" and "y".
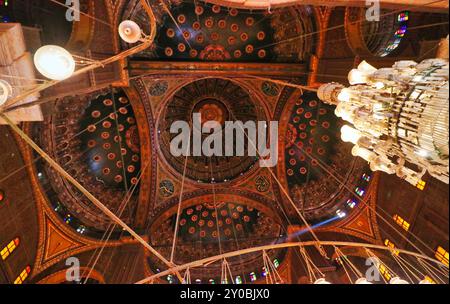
{"x": 191, "y": 199}
{"x": 210, "y": 260}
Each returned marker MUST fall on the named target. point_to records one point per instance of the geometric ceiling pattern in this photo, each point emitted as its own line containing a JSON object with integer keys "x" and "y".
{"x": 115, "y": 141}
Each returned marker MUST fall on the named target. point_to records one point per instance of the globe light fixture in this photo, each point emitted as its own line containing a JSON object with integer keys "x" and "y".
{"x": 5, "y": 91}
{"x": 321, "y": 282}
{"x": 130, "y": 32}
{"x": 54, "y": 62}
{"x": 363, "y": 281}
{"x": 397, "y": 281}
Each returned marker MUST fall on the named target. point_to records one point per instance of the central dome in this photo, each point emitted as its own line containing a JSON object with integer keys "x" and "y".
{"x": 215, "y": 99}
{"x": 212, "y": 109}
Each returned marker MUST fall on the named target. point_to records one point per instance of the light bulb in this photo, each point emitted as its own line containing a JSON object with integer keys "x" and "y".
{"x": 362, "y": 281}
{"x": 349, "y": 134}
{"x": 321, "y": 281}
{"x": 54, "y": 62}
{"x": 398, "y": 281}
{"x": 357, "y": 77}
{"x": 366, "y": 68}
{"x": 130, "y": 31}
{"x": 345, "y": 95}
{"x": 5, "y": 91}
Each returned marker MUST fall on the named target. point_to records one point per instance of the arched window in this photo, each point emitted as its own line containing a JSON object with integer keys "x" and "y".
{"x": 421, "y": 185}
{"x": 23, "y": 275}
{"x": 8, "y": 249}
{"x": 391, "y": 245}
{"x": 401, "y": 222}
{"x": 442, "y": 255}
{"x": 384, "y": 272}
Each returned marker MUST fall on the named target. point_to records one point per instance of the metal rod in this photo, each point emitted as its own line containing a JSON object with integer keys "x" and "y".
{"x": 83, "y": 190}
{"x": 279, "y": 246}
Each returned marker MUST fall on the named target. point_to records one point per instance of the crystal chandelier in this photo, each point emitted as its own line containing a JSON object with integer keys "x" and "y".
{"x": 399, "y": 117}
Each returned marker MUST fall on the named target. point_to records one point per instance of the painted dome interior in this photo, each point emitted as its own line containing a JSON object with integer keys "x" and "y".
{"x": 218, "y": 100}
{"x": 261, "y": 63}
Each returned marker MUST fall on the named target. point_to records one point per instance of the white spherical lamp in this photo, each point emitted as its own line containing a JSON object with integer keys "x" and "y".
{"x": 5, "y": 91}
{"x": 130, "y": 31}
{"x": 321, "y": 281}
{"x": 54, "y": 62}
{"x": 362, "y": 281}
{"x": 397, "y": 281}
{"x": 425, "y": 282}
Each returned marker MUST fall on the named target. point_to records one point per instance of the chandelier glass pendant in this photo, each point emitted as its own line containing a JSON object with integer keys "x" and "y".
{"x": 398, "y": 116}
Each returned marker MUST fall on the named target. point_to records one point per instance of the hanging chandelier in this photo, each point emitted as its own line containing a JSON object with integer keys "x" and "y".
{"x": 398, "y": 117}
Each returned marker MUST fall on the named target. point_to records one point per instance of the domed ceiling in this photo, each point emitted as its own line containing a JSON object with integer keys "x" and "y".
{"x": 312, "y": 143}
{"x": 112, "y": 141}
{"x": 216, "y": 100}
{"x": 215, "y": 33}
{"x": 205, "y": 222}
{"x": 312, "y": 130}
{"x": 226, "y": 203}
{"x": 214, "y": 224}
{"x": 94, "y": 138}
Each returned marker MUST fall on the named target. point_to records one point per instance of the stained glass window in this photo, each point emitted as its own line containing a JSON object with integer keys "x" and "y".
{"x": 399, "y": 33}
{"x": 23, "y": 275}
{"x": 276, "y": 263}
{"x": 421, "y": 185}
{"x": 8, "y": 249}
{"x": 391, "y": 245}
{"x": 401, "y": 222}
{"x": 442, "y": 255}
{"x": 384, "y": 272}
